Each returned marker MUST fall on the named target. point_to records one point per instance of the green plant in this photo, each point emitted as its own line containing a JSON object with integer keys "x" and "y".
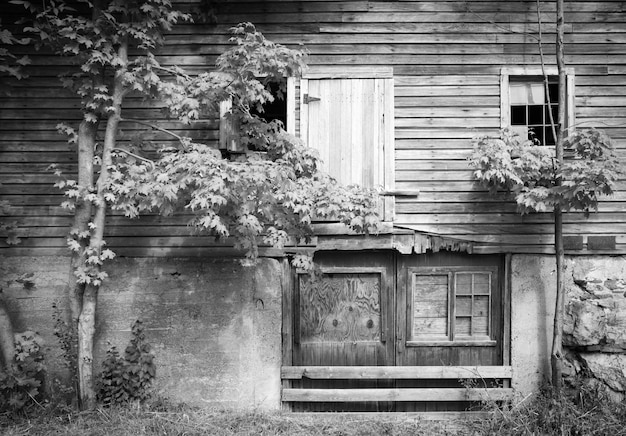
{"x": 585, "y": 410}
{"x": 530, "y": 172}
{"x": 542, "y": 180}
{"x": 129, "y": 378}
{"x": 21, "y": 382}
{"x": 270, "y": 195}
{"x": 68, "y": 341}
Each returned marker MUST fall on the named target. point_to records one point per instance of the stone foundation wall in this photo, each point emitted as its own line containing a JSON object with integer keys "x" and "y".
{"x": 595, "y": 322}
{"x": 215, "y": 326}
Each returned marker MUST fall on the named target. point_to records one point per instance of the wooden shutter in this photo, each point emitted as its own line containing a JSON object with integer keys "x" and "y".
{"x": 350, "y": 122}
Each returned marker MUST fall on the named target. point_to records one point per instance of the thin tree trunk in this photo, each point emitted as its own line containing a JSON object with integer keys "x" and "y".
{"x": 87, "y": 319}
{"x": 7, "y": 339}
{"x": 87, "y": 138}
{"x": 557, "y": 338}
{"x": 82, "y": 213}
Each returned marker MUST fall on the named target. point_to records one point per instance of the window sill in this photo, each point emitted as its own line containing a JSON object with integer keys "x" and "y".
{"x": 457, "y": 343}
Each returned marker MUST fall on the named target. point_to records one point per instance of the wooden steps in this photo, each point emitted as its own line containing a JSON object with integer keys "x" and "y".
{"x": 480, "y": 390}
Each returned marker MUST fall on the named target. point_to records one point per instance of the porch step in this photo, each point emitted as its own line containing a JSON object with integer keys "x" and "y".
{"x": 397, "y": 372}
{"x": 479, "y": 391}
{"x": 397, "y": 394}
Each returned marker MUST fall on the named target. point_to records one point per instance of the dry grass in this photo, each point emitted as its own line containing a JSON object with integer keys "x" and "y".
{"x": 191, "y": 422}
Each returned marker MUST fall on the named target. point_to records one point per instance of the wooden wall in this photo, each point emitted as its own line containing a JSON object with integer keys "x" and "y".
{"x": 446, "y": 56}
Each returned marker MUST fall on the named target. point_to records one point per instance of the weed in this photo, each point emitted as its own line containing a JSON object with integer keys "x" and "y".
{"x": 585, "y": 410}
{"x": 129, "y": 378}
{"x": 20, "y": 383}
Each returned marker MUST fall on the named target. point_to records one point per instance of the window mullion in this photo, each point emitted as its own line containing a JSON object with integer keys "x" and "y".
{"x": 452, "y": 304}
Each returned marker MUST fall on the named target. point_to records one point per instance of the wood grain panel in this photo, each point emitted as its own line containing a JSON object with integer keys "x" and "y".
{"x": 445, "y": 57}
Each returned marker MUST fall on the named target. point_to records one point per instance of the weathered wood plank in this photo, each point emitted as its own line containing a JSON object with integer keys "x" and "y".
{"x": 396, "y": 372}
{"x": 400, "y": 394}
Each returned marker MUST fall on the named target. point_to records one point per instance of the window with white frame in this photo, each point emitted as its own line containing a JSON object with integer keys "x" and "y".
{"x": 527, "y": 103}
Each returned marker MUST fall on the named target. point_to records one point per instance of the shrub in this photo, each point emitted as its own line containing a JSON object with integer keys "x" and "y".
{"x": 20, "y": 383}
{"x": 129, "y": 378}
{"x": 585, "y": 410}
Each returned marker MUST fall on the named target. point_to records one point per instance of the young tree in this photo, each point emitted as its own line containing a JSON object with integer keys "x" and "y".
{"x": 542, "y": 180}
{"x": 271, "y": 194}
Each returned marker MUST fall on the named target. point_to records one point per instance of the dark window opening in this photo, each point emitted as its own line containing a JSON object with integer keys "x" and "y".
{"x": 530, "y": 108}
{"x": 277, "y": 109}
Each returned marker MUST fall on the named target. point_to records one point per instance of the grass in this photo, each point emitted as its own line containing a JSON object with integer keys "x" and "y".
{"x": 584, "y": 411}
{"x": 191, "y": 422}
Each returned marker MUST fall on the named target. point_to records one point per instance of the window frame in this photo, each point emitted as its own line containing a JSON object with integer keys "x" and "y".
{"x": 451, "y": 340}
{"x": 226, "y": 139}
{"x": 520, "y": 72}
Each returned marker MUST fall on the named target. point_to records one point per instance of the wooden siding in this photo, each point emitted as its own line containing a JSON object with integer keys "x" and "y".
{"x": 446, "y": 56}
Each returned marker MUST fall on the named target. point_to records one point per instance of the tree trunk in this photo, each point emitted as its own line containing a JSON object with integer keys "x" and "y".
{"x": 86, "y": 332}
{"x": 7, "y": 339}
{"x": 87, "y": 318}
{"x": 557, "y": 337}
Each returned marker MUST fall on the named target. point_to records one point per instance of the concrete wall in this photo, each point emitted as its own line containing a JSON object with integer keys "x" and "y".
{"x": 594, "y": 321}
{"x": 215, "y": 326}
{"x": 533, "y": 291}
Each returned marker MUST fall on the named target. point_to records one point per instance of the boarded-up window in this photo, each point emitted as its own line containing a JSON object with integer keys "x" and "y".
{"x": 340, "y": 307}
{"x": 451, "y": 305}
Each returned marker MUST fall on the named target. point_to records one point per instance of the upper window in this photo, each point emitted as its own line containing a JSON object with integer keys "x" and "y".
{"x": 530, "y": 107}
{"x": 527, "y": 104}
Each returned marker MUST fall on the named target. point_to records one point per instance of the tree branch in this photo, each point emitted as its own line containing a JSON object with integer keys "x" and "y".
{"x": 543, "y": 71}
{"x": 153, "y": 126}
{"x": 136, "y": 156}
{"x": 469, "y": 9}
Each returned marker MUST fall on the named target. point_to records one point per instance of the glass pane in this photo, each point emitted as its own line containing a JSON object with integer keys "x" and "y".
{"x": 535, "y": 114}
{"x": 518, "y": 93}
{"x": 553, "y": 89}
{"x": 536, "y": 134}
{"x": 536, "y": 93}
{"x": 549, "y": 136}
{"x": 518, "y": 116}
{"x": 430, "y": 307}
{"x": 340, "y": 308}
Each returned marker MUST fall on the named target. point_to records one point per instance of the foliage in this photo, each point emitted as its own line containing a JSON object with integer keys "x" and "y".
{"x": 10, "y": 64}
{"x": 68, "y": 342}
{"x": 584, "y": 411}
{"x": 21, "y": 383}
{"x": 129, "y": 378}
{"x": 273, "y": 195}
{"x": 515, "y": 164}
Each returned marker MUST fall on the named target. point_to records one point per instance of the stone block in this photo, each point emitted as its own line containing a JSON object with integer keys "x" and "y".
{"x": 608, "y": 368}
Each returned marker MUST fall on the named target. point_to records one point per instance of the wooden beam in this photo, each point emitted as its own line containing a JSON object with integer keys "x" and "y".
{"x": 396, "y": 372}
{"x": 398, "y": 394}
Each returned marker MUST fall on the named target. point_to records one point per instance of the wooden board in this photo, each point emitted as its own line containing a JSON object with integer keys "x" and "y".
{"x": 441, "y": 63}
{"x": 396, "y": 372}
{"x": 397, "y": 395}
